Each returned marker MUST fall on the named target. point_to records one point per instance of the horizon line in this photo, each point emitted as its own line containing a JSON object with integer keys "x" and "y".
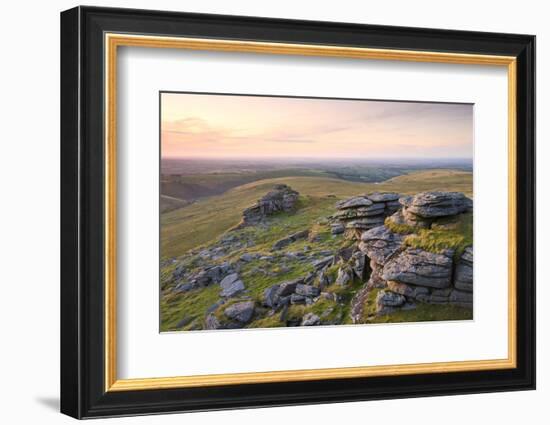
{"x": 332, "y": 158}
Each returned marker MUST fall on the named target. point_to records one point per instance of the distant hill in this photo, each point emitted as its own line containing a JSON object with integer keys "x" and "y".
{"x": 197, "y": 186}
{"x": 167, "y": 203}
{"x": 190, "y": 187}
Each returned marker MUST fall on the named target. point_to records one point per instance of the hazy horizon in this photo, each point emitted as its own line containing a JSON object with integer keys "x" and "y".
{"x": 317, "y": 159}
{"x": 239, "y": 127}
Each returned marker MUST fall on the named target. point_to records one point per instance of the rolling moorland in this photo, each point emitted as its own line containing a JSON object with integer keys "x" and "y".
{"x": 325, "y": 269}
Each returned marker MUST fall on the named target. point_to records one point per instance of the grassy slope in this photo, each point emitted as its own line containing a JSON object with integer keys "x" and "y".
{"x": 206, "y": 220}
{"x": 197, "y": 224}
{"x": 196, "y": 186}
{"x": 167, "y": 203}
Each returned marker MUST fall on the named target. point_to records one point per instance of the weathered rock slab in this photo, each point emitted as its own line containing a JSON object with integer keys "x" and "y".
{"x": 437, "y": 204}
{"x": 464, "y": 274}
{"x": 380, "y": 243}
{"x": 307, "y": 290}
{"x": 345, "y": 276}
{"x": 231, "y": 285}
{"x": 422, "y": 268}
{"x": 241, "y": 311}
{"x": 356, "y": 201}
{"x": 390, "y": 299}
{"x": 383, "y": 196}
{"x": 288, "y": 287}
{"x": 311, "y": 319}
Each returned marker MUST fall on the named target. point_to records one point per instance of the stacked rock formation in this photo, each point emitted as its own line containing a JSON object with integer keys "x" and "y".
{"x": 426, "y": 208}
{"x": 361, "y": 213}
{"x": 410, "y": 274}
{"x": 295, "y": 291}
{"x": 281, "y": 198}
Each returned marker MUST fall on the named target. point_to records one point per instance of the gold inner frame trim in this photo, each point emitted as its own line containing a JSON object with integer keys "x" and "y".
{"x": 113, "y": 41}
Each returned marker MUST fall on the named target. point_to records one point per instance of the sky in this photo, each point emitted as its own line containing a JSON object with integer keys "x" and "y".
{"x": 229, "y": 126}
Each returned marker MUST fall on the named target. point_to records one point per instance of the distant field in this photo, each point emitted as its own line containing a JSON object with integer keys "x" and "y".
{"x": 186, "y": 228}
{"x": 192, "y": 187}
{"x": 167, "y": 203}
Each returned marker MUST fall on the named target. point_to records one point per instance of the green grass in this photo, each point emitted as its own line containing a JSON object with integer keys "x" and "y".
{"x": 168, "y": 203}
{"x": 335, "y": 311}
{"x": 426, "y": 313}
{"x": 402, "y": 229}
{"x": 436, "y": 240}
{"x": 428, "y": 180}
{"x": 273, "y": 321}
{"x": 195, "y": 186}
{"x": 175, "y": 307}
{"x": 203, "y": 221}
{"x": 422, "y": 313}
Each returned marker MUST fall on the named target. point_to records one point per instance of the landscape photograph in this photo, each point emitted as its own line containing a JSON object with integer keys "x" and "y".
{"x": 292, "y": 211}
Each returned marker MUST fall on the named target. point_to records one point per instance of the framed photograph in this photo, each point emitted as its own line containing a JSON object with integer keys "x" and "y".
{"x": 261, "y": 212}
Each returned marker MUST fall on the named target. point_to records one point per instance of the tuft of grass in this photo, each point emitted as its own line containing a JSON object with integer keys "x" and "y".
{"x": 175, "y": 307}
{"x": 402, "y": 229}
{"x": 369, "y": 308}
{"x": 273, "y": 321}
{"x": 458, "y": 237}
{"x": 422, "y": 313}
{"x": 296, "y": 312}
{"x": 426, "y": 313}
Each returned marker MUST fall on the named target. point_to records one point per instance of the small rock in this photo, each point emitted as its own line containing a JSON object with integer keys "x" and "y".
{"x": 212, "y": 322}
{"x": 183, "y": 322}
{"x": 271, "y": 297}
{"x": 310, "y": 277}
{"x": 228, "y": 280}
{"x": 297, "y": 299}
{"x": 329, "y": 296}
{"x": 337, "y": 228}
{"x": 231, "y": 285}
{"x": 356, "y": 201}
{"x": 407, "y": 290}
{"x": 179, "y": 272}
{"x": 185, "y": 287}
{"x": 241, "y": 311}
{"x": 319, "y": 264}
{"x": 324, "y": 279}
{"x": 464, "y": 273}
{"x": 344, "y": 277}
{"x": 288, "y": 287}
{"x": 389, "y": 299}
{"x": 311, "y": 319}
{"x": 247, "y": 257}
{"x": 307, "y": 290}
{"x": 281, "y": 243}
{"x": 383, "y": 196}
{"x": 215, "y": 306}
{"x": 358, "y": 261}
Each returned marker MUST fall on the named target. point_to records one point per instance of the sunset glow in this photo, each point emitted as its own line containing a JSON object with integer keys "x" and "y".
{"x": 228, "y": 126}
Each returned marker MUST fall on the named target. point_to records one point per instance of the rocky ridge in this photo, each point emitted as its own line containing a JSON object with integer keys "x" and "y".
{"x": 363, "y": 212}
{"x": 281, "y": 199}
{"x": 416, "y": 274}
{"x": 368, "y": 263}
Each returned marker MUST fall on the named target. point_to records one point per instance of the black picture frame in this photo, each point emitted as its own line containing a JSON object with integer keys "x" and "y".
{"x": 83, "y": 392}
